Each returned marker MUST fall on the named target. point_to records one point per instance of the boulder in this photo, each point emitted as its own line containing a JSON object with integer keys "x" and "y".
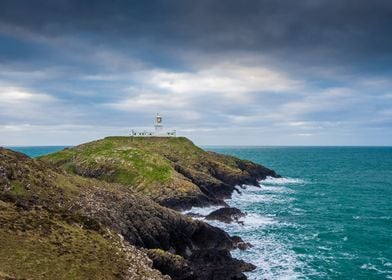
{"x": 226, "y": 215}
{"x": 240, "y": 244}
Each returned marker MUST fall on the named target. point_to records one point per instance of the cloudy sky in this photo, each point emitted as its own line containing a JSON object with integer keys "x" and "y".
{"x": 306, "y": 72}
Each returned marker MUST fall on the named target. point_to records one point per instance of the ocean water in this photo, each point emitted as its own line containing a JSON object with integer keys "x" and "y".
{"x": 328, "y": 217}
{"x": 36, "y": 151}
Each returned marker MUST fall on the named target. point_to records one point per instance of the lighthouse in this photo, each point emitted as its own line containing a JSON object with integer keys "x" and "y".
{"x": 159, "y": 131}
{"x": 158, "y": 124}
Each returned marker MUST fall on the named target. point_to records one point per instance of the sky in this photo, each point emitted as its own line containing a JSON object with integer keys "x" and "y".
{"x": 221, "y": 72}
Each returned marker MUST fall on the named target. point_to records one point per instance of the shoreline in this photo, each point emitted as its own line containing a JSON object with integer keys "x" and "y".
{"x": 200, "y": 213}
{"x": 253, "y": 221}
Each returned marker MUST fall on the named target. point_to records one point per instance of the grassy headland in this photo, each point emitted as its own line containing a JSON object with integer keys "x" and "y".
{"x": 172, "y": 171}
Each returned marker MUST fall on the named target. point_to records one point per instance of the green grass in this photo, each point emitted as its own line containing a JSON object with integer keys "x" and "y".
{"x": 39, "y": 245}
{"x": 124, "y": 160}
{"x": 64, "y": 155}
{"x": 145, "y": 164}
{"x": 18, "y": 188}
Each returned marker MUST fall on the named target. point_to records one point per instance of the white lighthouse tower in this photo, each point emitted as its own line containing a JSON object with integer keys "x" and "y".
{"x": 158, "y": 124}
{"x": 159, "y": 131}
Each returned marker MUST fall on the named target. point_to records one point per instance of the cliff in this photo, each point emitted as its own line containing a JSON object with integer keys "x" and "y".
{"x": 58, "y": 225}
{"x": 172, "y": 171}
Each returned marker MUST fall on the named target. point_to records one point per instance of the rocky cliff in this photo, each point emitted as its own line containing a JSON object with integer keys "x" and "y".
{"x": 97, "y": 211}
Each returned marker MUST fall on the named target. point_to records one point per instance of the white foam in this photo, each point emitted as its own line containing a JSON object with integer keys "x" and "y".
{"x": 281, "y": 181}
{"x": 248, "y": 223}
{"x": 274, "y": 260}
{"x": 249, "y": 197}
{"x": 256, "y": 220}
{"x": 369, "y": 266}
{"x": 372, "y": 217}
{"x": 266, "y": 194}
{"x": 275, "y": 189}
{"x": 324, "y": 248}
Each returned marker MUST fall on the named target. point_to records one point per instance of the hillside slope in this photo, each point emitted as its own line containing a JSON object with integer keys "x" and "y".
{"x": 172, "y": 171}
{"x": 56, "y": 225}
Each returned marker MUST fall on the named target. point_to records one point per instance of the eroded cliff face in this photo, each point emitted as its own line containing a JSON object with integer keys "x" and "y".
{"x": 172, "y": 171}
{"x": 99, "y": 228}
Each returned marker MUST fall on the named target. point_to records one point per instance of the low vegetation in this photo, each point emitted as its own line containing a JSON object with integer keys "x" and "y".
{"x": 168, "y": 170}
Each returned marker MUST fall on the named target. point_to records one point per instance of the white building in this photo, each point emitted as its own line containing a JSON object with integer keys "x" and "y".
{"x": 158, "y": 132}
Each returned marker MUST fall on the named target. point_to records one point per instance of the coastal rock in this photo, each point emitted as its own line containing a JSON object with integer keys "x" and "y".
{"x": 194, "y": 215}
{"x": 240, "y": 244}
{"x": 172, "y": 264}
{"x": 226, "y": 215}
{"x": 146, "y": 224}
{"x": 223, "y": 265}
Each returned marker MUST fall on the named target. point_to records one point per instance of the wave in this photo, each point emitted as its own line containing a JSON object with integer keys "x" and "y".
{"x": 371, "y": 218}
{"x": 247, "y": 197}
{"x": 370, "y": 266}
{"x": 251, "y": 196}
{"x": 276, "y": 189}
{"x": 250, "y": 222}
{"x": 204, "y": 211}
{"x": 281, "y": 181}
{"x": 274, "y": 260}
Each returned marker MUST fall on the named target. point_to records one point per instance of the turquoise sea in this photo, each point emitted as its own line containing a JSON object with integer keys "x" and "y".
{"x": 328, "y": 217}
{"x": 36, "y": 151}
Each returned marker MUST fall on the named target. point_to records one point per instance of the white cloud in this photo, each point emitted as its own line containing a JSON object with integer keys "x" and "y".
{"x": 321, "y": 101}
{"x": 207, "y": 91}
{"x": 18, "y": 96}
{"x": 225, "y": 79}
{"x": 19, "y": 104}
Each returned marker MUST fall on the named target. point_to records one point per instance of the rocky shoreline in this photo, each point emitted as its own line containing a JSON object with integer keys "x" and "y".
{"x": 90, "y": 192}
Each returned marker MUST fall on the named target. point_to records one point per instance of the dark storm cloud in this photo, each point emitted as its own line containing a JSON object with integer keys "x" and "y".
{"x": 325, "y": 31}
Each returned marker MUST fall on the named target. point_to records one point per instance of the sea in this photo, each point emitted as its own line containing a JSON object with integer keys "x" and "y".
{"x": 328, "y": 217}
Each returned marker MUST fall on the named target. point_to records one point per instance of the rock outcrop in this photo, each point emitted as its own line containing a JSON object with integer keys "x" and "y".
{"x": 172, "y": 171}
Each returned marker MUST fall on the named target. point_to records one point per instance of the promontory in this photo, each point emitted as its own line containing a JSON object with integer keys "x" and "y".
{"x": 109, "y": 209}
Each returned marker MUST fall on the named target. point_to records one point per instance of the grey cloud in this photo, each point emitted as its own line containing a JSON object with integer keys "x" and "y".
{"x": 309, "y": 31}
